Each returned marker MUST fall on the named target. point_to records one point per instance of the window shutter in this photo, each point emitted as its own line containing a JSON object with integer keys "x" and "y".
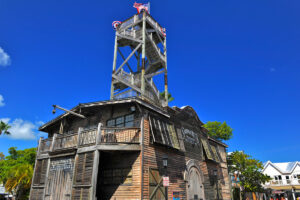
{"x": 40, "y": 172}
{"x": 83, "y": 176}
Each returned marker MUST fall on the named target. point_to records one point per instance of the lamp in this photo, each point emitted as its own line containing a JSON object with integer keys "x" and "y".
{"x": 165, "y": 161}
{"x": 54, "y": 109}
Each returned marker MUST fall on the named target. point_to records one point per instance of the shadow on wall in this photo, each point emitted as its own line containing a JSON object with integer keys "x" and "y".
{"x": 115, "y": 170}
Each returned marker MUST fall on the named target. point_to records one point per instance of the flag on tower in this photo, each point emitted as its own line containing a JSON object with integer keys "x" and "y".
{"x": 142, "y": 6}
{"x": 115, "y": 24}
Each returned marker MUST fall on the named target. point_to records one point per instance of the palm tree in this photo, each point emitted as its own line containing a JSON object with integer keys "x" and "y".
{"x": 19, "y": 180}
{"x": 4, "y": 128}
{"x": 170, "y": 98}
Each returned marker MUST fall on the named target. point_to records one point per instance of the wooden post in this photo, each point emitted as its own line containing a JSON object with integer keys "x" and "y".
{"x": 46, "y": 178}
{"x": 78, "y": 137}
{"x": 143, "y": 55}
{"x": 53, "y": 141}
{"x": 95, "y": 174}
{"x": 112, "y": 89}
{"x": 166, "y": 73}
{"x": 37, "y": 154}
{"x": 96, "y": 164}
{"x": 99, "y": 134}
{"x": 142, "y": 155}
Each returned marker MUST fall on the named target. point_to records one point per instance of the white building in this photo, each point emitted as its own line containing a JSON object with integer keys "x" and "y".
{"x": 285, "y": 178}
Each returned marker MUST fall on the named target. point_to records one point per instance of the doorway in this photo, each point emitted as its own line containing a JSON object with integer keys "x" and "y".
{"x": 195, "y": 188}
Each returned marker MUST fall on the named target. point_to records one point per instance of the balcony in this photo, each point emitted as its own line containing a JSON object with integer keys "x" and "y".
{"x": 99, "y": 138}
{"x": 283, "y": 184}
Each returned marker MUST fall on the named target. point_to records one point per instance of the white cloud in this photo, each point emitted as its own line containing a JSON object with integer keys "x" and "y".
{"x": 1, "y": 101}
{"x": 21, "y": 129}
{"x": 4, "y": 58}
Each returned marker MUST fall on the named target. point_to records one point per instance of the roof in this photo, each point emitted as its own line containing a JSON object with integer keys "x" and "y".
{"x": 108, "y": 102}
{"x": 283, "y": 167}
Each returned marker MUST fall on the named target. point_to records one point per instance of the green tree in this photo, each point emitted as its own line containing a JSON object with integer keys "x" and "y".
{"x": 249, "y": 170}
{"x": 16, "y": 171}
{"x": 4, "y": 128}
{"x": 170, "y": 98}
{"x": 219, "y": 130}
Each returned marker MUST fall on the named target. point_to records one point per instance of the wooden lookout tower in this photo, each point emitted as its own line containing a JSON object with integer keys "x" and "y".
{"x": 147, "y": 42}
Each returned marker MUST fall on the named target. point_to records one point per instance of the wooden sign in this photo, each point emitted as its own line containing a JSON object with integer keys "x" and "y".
{"x": 166, "y": 182}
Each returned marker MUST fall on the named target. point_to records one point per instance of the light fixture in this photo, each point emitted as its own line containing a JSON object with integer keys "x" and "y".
{"x": 54, "y": 109}
{"x": 165, "y": 161}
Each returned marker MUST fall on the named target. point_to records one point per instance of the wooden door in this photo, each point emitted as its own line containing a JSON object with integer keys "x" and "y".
{"x": 59, "y": 183}
{"x": 156, "y": 189}
{"x": 195, "y": 185}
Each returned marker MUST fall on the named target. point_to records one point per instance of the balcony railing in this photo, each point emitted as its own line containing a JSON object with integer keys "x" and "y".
{"x": 45, "y": 145}
{"x": 65, "y": 142}
{"x": 90, "y": 137}
{"x": 120, "y": 135}
{"x": 283, "y": 182}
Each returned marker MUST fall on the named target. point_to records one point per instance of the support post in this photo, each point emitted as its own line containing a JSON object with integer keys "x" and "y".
{"x": 78, "y": 137}
{"x": 46, "y": 178}
{"x": 142, "y": 155}
{"x": 33, "y": 176}
{"x": 143, "y": 55}
{"x": 53, "y": 141}
{"x": 293, "y": 192}
{"x": 99, "y": 134}
{"x": 96, "y": 164}
{"x": 112, "y": 89}
{"x": 95, "y": 174}
{"x": 166, "y": 73}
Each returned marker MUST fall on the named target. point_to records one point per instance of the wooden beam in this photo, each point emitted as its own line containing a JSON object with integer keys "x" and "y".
{"x": 129, "y": 38}
{"x": 126, "y": 83}
{"x": 124, "y": 59}
{"x": 69, "y": 111}
{"x": 143, "y": 54}
{"x": 120, "y": 147}
{"x": 95, "y": 175}
{"x": 154, "y": 74}
{"x": 112, "y": 88}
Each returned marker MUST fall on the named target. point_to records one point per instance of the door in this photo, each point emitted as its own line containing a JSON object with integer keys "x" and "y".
{"x": 59, "y": 183}
{"x": 195, "y": 185}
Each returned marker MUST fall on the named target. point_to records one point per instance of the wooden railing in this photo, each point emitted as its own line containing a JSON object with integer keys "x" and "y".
{"x": 89, "y": 138}
{"x": 45, "y": 145}
{"x": 120, "y": 135}
{"x": 65, "y": 142}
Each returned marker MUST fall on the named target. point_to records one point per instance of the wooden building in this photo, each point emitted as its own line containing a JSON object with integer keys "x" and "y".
{"x": 118, "y": 149}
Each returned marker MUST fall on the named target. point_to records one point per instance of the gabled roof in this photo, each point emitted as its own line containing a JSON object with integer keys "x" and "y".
{"x": 108, "y": 102}
{"x": 283, "y": 167}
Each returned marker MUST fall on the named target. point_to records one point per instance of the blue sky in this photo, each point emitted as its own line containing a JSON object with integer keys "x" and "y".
{"x": 234, "y": 61}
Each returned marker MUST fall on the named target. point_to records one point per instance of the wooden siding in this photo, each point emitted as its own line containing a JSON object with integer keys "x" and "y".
{"x": 153, "y": 155}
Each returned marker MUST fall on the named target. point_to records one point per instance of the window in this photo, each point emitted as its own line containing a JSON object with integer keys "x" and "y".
{"x": 279, "y": 177}
{"x": 122, "y": 121}
{"x": 287, "y": 177}
{"x": 129, "y": 120}
{"x": 111, "y": 123}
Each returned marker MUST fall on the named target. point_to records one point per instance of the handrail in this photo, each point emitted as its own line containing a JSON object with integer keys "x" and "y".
{"x": 88, "y": 138}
